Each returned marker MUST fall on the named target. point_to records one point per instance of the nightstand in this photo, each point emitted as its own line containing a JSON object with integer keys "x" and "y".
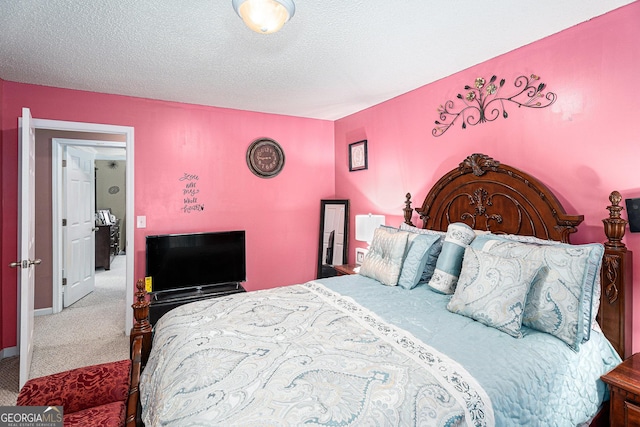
{"x": 624, "y": 387}
{"x": 346, "y": 269}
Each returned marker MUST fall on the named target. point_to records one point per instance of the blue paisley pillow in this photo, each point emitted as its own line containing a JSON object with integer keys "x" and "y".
{"x": 561, "y": 302}
{"x": 593, "y": 276}
{"x": 493, "y": 290}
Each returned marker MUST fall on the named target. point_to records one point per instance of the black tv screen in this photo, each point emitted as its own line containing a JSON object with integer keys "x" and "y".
{"x": 180, "y": 261}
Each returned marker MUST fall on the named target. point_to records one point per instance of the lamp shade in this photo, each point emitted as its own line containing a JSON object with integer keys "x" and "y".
{"x": 366, "y": 226}
{"x": 264, "y": 16}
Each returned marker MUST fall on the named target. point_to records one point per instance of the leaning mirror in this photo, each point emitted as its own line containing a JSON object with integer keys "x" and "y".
{"x": 334, "y": 236}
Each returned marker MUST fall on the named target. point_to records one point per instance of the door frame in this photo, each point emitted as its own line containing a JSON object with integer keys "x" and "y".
{"x": 57, "y": 154}
{"x": 128, "y": 133}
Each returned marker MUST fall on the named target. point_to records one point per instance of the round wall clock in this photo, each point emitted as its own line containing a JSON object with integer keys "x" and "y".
{"x": 265, "y": 158}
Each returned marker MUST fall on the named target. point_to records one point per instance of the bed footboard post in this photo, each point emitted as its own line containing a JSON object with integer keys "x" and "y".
{"x": 616, "y": 300}
{"x": 142, "y": 327}
{"x": 133, "y": 401}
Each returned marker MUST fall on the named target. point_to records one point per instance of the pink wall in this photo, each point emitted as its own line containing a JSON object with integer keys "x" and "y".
{"x": 281, "y": 215}
{"x": 582, "y": 147}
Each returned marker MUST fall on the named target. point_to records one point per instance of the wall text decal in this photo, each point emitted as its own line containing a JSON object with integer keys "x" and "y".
{"x": 482, "y": 102}
{"x": 189, "y": 193}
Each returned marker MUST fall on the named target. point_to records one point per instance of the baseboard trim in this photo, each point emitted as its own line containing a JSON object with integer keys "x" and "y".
{"x": 43, "y": 311}
{"x": 9, "y": 352}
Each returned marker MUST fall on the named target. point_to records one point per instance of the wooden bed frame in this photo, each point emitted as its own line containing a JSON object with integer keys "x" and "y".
{"x": 486, "y": 195}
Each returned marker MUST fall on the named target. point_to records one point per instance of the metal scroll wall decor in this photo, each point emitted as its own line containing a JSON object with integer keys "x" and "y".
{"x": 483, "y": 103}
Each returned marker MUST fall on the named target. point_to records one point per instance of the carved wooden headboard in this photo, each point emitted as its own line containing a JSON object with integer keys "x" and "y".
{"x": 488, "y": 195}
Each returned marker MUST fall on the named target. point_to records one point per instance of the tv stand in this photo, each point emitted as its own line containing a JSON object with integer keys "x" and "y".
{"x": 162, "y": 302}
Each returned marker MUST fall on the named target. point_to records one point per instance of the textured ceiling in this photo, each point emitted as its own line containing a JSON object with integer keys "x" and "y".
{"x": 334, "y": 57}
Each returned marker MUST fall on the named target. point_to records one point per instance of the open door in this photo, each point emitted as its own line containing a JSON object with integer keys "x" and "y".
{"x": 79, "y": 233}
{"x": 26, "y": 240}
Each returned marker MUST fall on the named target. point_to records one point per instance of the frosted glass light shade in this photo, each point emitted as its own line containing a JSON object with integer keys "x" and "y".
{"x": 366, "y": 226}
{"x": 264, "y": 16}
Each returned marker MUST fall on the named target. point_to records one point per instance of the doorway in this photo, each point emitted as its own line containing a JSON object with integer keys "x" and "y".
{"x": 98, "y": 137}
{"x": 77, "y": 261}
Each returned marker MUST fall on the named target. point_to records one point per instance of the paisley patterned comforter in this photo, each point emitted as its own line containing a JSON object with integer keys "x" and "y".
{"x": 298, "y": 355}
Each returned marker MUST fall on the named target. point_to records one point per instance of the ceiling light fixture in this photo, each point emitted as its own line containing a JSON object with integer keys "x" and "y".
{"x": 264, "y": 16}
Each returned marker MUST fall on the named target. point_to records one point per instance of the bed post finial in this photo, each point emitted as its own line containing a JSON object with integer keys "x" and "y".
{"x": 614, "y": 226}
{"x": 141, "y": 327}
{"x": 408, "y": 212}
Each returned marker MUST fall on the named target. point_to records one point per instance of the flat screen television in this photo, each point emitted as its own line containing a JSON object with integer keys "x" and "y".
{"x": 183, "y": 261}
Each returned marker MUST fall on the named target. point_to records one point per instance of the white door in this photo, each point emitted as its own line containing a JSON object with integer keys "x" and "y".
{"x": 78, "y": 235}
{"x": 26, "y": 241}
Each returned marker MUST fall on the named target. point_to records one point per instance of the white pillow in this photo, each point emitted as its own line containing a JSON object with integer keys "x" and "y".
{"x": 413, "y": 229}
{"x": 383, "y": 262}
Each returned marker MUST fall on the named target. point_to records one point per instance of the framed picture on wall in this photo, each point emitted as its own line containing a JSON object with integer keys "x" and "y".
{"x": 360, "y": 254}
{"x": 358, "y": 156}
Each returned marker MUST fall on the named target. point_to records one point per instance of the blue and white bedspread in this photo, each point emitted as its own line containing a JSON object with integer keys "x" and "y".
{"x": 297, "y": 355}
{"x": 533, "y": 381}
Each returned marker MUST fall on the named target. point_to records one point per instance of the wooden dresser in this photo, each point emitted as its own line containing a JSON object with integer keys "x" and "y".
{"x": 107, "y": 244}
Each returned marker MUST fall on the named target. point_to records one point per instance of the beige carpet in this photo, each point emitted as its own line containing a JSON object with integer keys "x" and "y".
{"x": 90, "y": 331}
